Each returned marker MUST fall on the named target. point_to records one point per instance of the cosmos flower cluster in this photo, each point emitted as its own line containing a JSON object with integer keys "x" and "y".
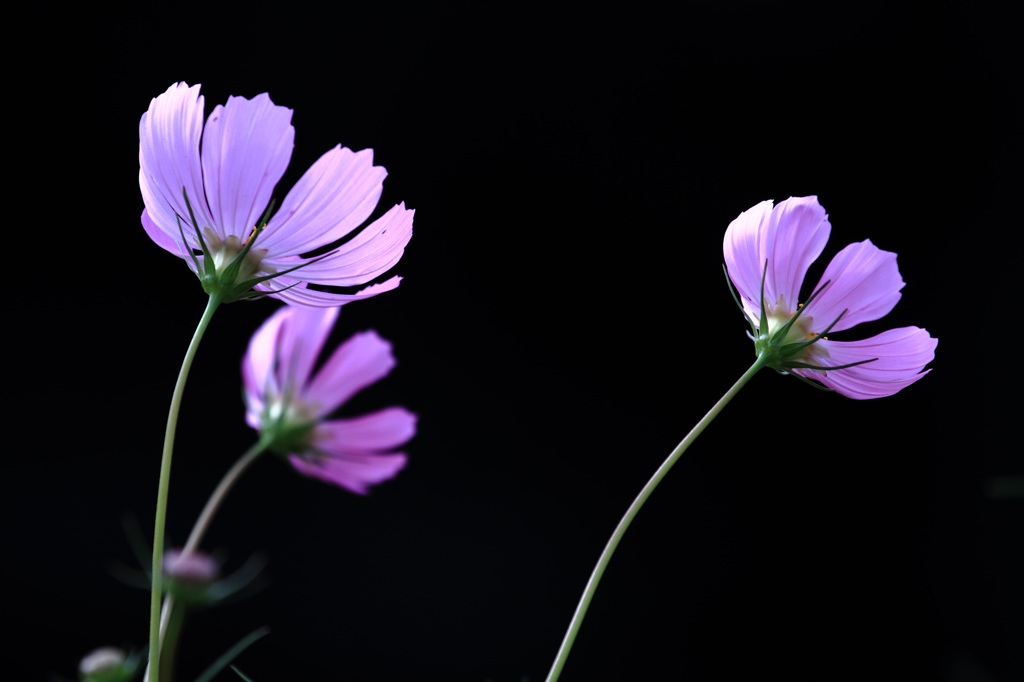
{"x": 208, "y": 190}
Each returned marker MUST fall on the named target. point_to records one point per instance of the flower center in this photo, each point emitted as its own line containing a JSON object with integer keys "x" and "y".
{"x": 225, "y": 252}
{"x": 289, "y": 423}
{"x": 800, "y": 342}
{"x": 781, "y": 313}
{"x": 284, "y": 410}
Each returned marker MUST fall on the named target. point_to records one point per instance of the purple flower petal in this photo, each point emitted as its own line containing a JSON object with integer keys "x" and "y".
{"x": 356, "y": 472}
{"x": 332, "y": 198}
{"x": 246, "y": 148}
{"x": 790, "y": 237}
{"x": 902, "y": 355}
{"x": 372, "y": 252}
{"x": 299, "y": 295}
{"x": 169, "y": 136}
{"x": 863, "y": 280}
{"x": 743, "y": 259}
{"x": 283, "y": 352}
{"x": 363, "y": 360}
{"x": 258, "y": 376}
{"x": 162, "y": 239}
{"x": 379, "y": 431}
{"x": 302, "y": 340}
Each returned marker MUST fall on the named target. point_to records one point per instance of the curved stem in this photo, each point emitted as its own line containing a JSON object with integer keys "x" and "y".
{"x": 634, "y": 508}
{"x": 212, "y": 504}
{"x": 163, "y": 488}
{"x": 171, "y": 618}
{"x": 171, "y": 634}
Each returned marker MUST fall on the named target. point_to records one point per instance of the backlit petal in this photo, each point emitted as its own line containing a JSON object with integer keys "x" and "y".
{"x": 789, "y": 238}
{"x": 332, "y": 198}
{"x": 369, "y": 254}
{"x": 900, "y": 359}
{"x": 742, "y": 250}
{"x": 258, "y": 376}
{"x": 355, "y": 472}
{"x": 359, "y": 362}
{"x": 303, "y": 296}
{"x": 163, "y": 239}
{"x": 246, "y": 148}
{"x": 284, "y": 350}
{"x": 169, "y": 136}
{"x": 303, "y": 339}
{"x": 379, "y": 431}
{"x": 863, "y": 280}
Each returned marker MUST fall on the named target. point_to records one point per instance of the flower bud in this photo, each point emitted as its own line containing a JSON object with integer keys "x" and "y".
{"x": 107, "y": 664}
{"x": 190, "y": 575}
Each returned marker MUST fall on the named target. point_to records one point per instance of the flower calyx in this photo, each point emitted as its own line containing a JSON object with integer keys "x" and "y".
{"x": 286, "y": 425}
{"x": 229, "y": 269}
{"x": 784, "y": 340}
{"x": 194, "y": 577}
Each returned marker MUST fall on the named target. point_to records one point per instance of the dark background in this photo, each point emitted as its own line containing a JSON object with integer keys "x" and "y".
{"x": 562, "y": 324}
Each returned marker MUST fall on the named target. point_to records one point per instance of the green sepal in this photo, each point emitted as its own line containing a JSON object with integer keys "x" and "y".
{"x": 284, "y": 439}
{"x": 207, "y": 256}
{"x": 739, "y": 303}
{"x": 763, "y": 326}
{"x": 224, "y": 285}
{"x": 823, "y": 368}
{"x": 809, "y": 382}
{"x": 243, "y": 291}
{"x": 770, "y": 345}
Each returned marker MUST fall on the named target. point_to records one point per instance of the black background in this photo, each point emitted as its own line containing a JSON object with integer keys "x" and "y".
{"x": 562, "y": 324}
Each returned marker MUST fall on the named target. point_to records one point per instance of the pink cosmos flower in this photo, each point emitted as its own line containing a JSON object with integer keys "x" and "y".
{"x": 207, "y": 194}
{"x": 287, "y": 401}
{"x": 768, "y": 252}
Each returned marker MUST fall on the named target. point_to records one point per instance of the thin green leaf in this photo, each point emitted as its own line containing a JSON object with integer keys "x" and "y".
{"x": 232, "y": 653}
{"x": 239, "y": 673}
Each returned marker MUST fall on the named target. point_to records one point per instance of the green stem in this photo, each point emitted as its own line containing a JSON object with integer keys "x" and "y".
{"x": 212, "y": 504}
{"x": 171, "y": 634}
{"x": 634, "y": 508}
{"x": 163, "y": 489}
{"x": 171, "y": 617}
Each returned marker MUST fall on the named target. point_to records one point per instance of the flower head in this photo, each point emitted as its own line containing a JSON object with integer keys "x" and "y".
{"x": 207, "y": 194}
{"x": 194, "y": 577}
{"x": 768, "y": 251}
{"x": 288, "y": 402}
{"x": 108, "y": 664}
{"x": 190, "y": 575}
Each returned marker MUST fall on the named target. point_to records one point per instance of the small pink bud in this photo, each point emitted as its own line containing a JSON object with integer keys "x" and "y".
{"x": 192, "y": 567}
{"x": 190, "y": 575}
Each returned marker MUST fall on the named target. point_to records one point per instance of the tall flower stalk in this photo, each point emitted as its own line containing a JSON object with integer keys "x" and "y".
{"x": 163, "y": 488}
{"x": 620, "y": 530}
{"x": 768, "y": 251}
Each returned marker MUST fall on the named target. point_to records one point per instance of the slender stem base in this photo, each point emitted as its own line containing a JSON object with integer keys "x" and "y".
{"x": 634, "y": 508}
{"x": 163, "y": 488}
{"x": 172, "y": 632}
